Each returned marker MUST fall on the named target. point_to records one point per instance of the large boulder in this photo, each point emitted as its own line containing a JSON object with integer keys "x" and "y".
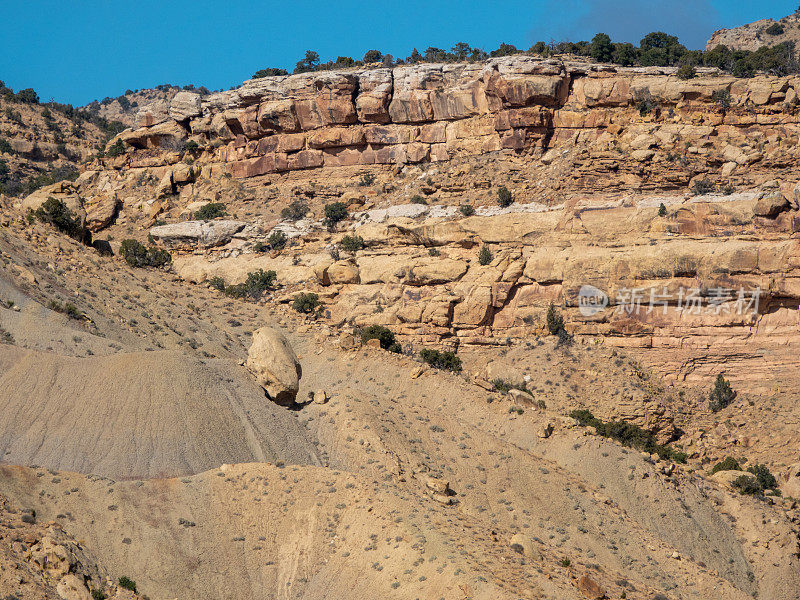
{"x": 770, "y": 204}
{"x": 66, "y": 191}
{"x": 789, "y": 481}
{"x": 275, "y": 365}
{"x": 185, "y": 105}
{"x": 205, "y": 234}
{"x": 101, "y": 210}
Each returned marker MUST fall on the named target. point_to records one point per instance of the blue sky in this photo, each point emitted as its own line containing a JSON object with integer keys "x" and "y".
{"x": 79, "y": 50}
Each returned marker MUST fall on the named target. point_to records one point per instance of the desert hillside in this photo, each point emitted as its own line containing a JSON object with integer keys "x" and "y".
{"x": 423, "y": 331}
{"x": 764, "y": 32}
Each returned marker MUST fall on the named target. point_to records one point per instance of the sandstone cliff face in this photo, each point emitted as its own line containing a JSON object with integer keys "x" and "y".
{"x": 434, "y": 113}
{"x": 590, "y": 152}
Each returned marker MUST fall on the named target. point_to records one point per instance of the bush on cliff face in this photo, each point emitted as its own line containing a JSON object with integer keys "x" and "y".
{"x": 383, "y": 334}
{"x": 137, "y": 254}
{"x": 722, "y": 394}
{"x": 269, "y": 72}
{"x": 721, "y": 98}
{"x": 334, "y": 213}
{"x": 254, "y": 286}
{"x": 116, "y": 149}
{"x": 686, "y": 72}
{"x": 504, "y": 197}
{"x": 295, "y": 211}
{"x": 704, "y": 186}
{"x": 729, "y": 464}
{"x": 555, "y": 322}
{"x": 758, "y": 481}
{"x": 305, "y": 302}
{"x": 485, "y": 256}
{"x": 277, "y": 240}
{"x": 352, "y": 243}
{"x": 763, "y": 476}
{"x": 629, "y": 435}
{"x": 210, "y": 211}
{"x": 441, "y": 360}
{"x": 56, "y": 213}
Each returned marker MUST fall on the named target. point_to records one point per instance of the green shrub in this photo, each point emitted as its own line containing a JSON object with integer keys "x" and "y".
{"x": 485, "y": 256}
{"x": 722, "y": 394}
{"x": 366, "y": 180}
{"x": 644, "y": 102}
{"x": 703, "y": 186}
{"x": 441, "y": 360}
{"x": 269, "y": 72}
{"x": 334, "y": 213}
{"x": 191, "y": 147}
{"x": 127, "y": 583}
{"x": 601, "y": 49}
{"x": 628, "y": 435}
{"x": 254, "y": 286}
{"x": 662, "y": 210}
{"x": 352, "y": 243}
{"x": 467, "y": 210}
{"x": 67, "y": 308}
{"x": 721, "y": 98}
{"x": 373, "y": 56}
{"x": 504, "y": 197}
{"x": 764, "y": 478}
{"x": 28, "y": 96}
{"x": 555, "y": 322}
{"x": 116, "y": 149}
{"x": 686, "y": 72}
{"x": 260, "y": 247}
{"x": 381, "y": 333}
{"x": 217, "y": 282}
{"x": 747, "y": 485}
{"x": 212, "y": 210}
{"x": 98, "y": 595}
{"x": 55, "y": 212}
{"x": 729, "y": 464}
{"x": 277, "y": 240}
{"x": 417, "y": 199}
{"x": 503, "y": 386}
{"x": 295, "y": 211}
{"x": 137, "y": 254}
{"x": 774, "y": 29}
{"x": 306, "y": 302}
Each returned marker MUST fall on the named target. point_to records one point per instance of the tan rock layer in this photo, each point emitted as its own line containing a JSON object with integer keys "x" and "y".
{"x": 424, "y": 113}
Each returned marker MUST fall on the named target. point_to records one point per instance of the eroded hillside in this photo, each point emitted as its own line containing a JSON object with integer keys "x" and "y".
{"x": 472, "y": 199}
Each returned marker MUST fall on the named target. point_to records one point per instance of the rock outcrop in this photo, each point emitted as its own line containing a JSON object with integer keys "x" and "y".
{"x": 275, "y": 365}
{"x": 434, "y": 113}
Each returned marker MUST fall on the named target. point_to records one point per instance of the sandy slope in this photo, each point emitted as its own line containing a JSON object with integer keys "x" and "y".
{"x": 353, "y": 518}
{"x": 138, "y": 414}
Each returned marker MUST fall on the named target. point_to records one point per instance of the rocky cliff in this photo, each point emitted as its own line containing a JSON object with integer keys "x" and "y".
{"x": 590, "y": 153}
{"x": 435, "y": 113}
